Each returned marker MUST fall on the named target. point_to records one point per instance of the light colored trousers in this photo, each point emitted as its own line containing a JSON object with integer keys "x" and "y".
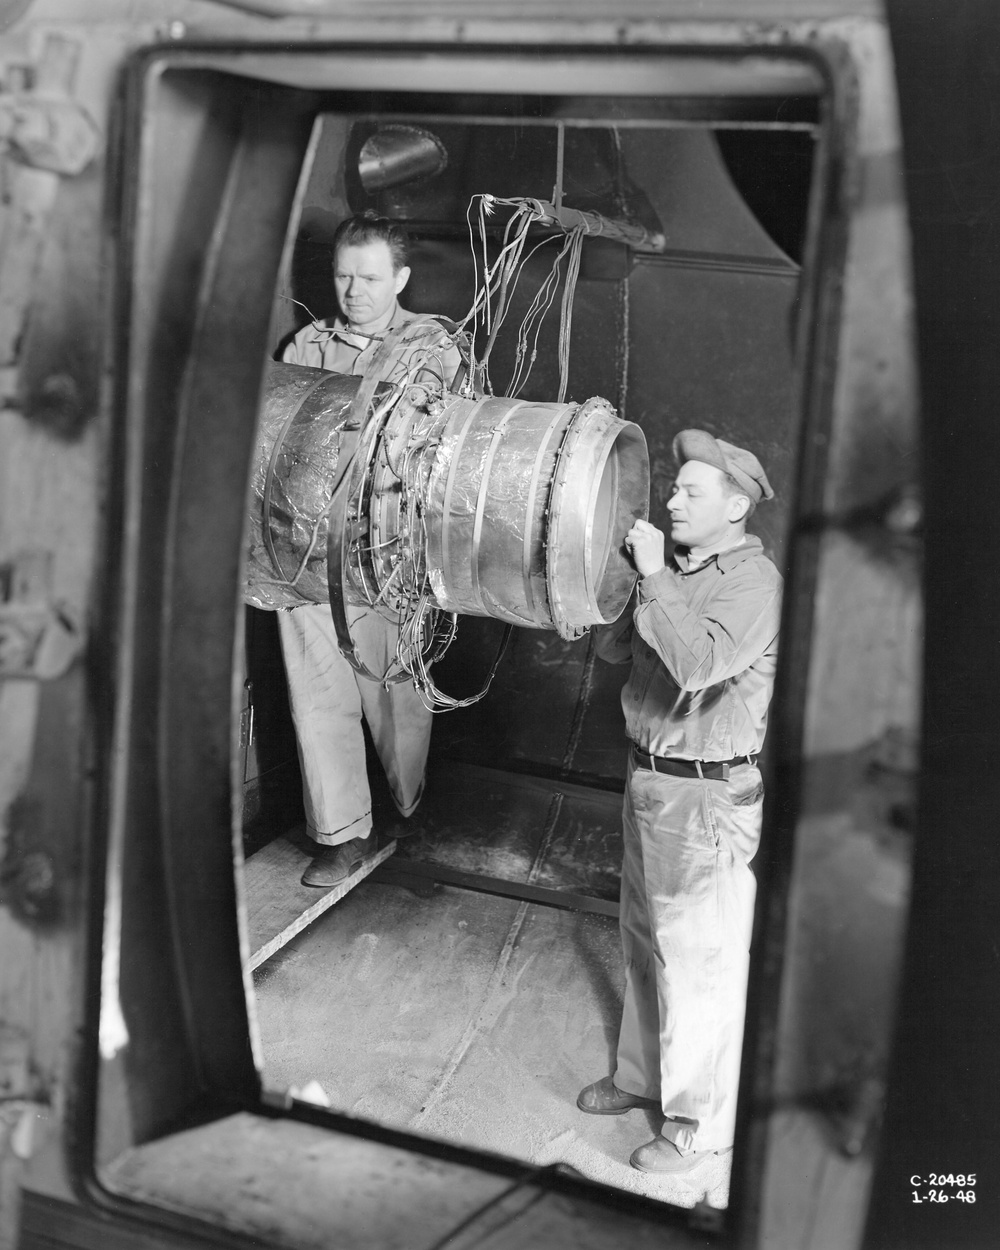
{"x": 686, "y": 914}
{"x": 328, "y": 700}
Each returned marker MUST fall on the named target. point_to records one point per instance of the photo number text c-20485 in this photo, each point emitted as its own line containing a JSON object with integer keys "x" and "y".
{"x": 934, "y": 1186}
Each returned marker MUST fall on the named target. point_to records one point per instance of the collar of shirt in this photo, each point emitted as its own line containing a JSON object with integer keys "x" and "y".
{"x": 342, "y": 331}
{"x": 749, "y": 545}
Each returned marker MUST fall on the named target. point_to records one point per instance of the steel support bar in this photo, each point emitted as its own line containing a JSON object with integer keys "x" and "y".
{"x": 398, "y": 873}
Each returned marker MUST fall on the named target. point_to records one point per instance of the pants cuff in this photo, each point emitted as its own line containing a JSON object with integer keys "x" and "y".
{"x": 359, "y": 828}
{"x": 627, "y": 1088}
{"x": 407, "y": 809}
{"x": 687, "y": 1138}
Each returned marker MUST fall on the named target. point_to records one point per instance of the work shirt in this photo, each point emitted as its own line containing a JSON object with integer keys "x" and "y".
{"x": 703, "y": 643}
{"x": 323, "y": 345}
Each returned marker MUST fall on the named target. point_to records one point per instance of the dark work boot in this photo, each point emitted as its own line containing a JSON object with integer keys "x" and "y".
{"x": 605, "y": 1098}
{"x": 334, "y": 864}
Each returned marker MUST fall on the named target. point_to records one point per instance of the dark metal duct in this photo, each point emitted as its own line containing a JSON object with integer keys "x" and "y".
{"x": 397, "y": 154}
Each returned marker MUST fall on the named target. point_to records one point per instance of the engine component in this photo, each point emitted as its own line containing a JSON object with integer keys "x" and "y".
{"x": 491, "y": 507}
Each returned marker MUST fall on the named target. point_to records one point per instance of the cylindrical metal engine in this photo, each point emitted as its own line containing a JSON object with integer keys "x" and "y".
{"x": 527, "y": 506}
{"x": 500, "y": 507}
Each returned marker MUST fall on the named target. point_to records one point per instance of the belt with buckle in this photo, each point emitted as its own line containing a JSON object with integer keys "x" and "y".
{"x": 706, "y": 770}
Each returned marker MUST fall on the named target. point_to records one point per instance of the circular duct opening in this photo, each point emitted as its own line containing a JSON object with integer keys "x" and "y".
{"x": 621, "y": 497}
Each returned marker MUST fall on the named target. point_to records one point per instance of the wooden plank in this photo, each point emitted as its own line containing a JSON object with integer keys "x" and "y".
{"x": 278, "y": 905}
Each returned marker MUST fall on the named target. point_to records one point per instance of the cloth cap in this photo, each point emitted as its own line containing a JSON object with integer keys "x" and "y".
{"x": 740, "y": 464}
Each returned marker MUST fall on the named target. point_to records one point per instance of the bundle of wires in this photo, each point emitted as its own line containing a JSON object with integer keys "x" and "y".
{"x": 426, "y": 631}
{"x": 496, "y": 284}
{"x": 404, "y": 598}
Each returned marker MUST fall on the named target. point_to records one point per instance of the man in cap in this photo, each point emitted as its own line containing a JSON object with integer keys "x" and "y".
{"x": 703, "y": 643}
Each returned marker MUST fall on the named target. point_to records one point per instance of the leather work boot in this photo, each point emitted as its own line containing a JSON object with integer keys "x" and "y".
{"x": 334, "y": 864}
{"x": 663, "y": 1157}
{"x": 605, "y": 1098}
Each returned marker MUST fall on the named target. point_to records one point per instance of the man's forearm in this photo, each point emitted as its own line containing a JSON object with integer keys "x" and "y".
{"x": 701, "y": 651}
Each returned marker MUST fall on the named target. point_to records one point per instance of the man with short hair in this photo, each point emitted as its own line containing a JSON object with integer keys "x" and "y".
{"x": 327, "y": 697}
{"x": 703, "y": 644}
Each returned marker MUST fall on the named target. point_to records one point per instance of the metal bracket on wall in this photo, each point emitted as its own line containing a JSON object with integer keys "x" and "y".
{"x": 44, "y": 136}
{"x": 39, "y": 638}
{"x": 23, "y": 1111}
{"x": 48, "y": 132}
